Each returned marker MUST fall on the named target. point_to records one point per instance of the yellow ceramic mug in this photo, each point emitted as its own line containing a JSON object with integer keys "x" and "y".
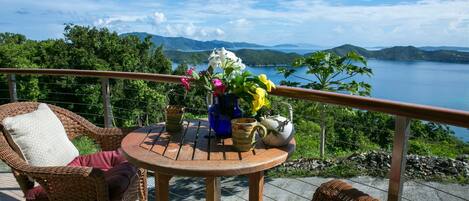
{"x": 243, "y": 133}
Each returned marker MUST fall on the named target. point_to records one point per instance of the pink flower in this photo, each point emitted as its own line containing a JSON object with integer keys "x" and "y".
{"x": 190, "y": 71}
{"x": 186, "y": 83}
{"x": 219, "y": 87}
{"x": 217, "y": 82}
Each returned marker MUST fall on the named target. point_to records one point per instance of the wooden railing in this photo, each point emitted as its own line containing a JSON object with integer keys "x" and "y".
{"x": 404, "y": 112}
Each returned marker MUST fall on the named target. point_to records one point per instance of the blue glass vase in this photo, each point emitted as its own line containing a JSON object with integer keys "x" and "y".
{"x": 221, "y": 112}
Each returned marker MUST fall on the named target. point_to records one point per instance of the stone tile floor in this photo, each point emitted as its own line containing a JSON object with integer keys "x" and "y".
{"x": 235, "y": 188}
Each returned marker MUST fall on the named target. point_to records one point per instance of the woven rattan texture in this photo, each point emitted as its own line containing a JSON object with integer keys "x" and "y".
{"x": 69, "y": 183}
{"x": 337, "y": 190}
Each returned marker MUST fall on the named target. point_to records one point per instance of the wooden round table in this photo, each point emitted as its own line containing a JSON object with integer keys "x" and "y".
{"x": 196, "y": 152}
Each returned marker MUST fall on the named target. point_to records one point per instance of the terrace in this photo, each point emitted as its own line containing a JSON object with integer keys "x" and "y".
{"x": 394, "y": 187}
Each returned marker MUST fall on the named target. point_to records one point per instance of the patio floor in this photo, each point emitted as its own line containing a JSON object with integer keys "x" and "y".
{"x": 235, "y": 188}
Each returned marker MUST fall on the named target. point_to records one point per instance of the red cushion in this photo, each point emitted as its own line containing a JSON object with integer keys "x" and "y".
{"x": 117, "y": 171}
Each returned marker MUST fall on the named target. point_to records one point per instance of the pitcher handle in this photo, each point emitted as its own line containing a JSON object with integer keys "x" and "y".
{"x": 262, "y": 128}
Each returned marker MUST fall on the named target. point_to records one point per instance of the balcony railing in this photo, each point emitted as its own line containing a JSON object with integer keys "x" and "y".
{"x": 403, "y": 112}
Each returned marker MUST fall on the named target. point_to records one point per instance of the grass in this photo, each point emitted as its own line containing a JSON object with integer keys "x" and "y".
{"x": 442, "y": 149}
{"x": 85, "y": 145}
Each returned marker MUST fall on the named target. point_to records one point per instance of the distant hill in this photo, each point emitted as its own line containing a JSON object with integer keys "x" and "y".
{"x": 266, "y": 57}
{"x": 250, "y": 57}
{"x": 343, "y": 49}
{"x": 433, "y": 48}
{"x": 186, "y": 44}
{"x": 406, "y": 53}
{"x": 181, "y": 49}
{"x": 286, "y": 45}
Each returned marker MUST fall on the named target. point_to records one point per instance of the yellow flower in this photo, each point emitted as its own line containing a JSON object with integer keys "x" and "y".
{"x": 269, "y": 84}
{"x": 259, "y": 99}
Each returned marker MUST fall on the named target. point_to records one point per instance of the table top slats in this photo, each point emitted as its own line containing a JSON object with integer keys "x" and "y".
{"x": 187, "y": 147}
{"x": 153, "y": 133}
{"x": 201, "y": 148}
{"x": 260, "y": 146}
{"x": 216, "y": 148}
{"x": 187, "y": 153}
{"x": 229, "y": 152}
{"x": 161, "y": 143}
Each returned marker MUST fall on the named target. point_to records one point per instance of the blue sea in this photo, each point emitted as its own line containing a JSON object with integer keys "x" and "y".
{"x": 430, "y": 83}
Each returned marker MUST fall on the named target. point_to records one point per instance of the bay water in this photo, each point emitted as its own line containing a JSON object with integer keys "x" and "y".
{"x": 421, "y": 82}
{"x": 429, "y": 83}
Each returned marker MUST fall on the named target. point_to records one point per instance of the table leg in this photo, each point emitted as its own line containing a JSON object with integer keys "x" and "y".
{"x": 256, "y": 186}
{"x": 213, "y": 192}
{"x": 162, "y": 186}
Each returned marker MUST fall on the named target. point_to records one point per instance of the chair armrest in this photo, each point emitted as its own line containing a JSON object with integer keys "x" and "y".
{"x": 59, "y": 171}
{"x": 110, "y": 138}
{"x": 71, "y": 183}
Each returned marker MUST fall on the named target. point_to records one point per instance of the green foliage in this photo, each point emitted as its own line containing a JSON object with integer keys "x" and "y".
{"x": 428, "y": 147}
{"x": 85, "y": 145}
{"x": 348, "y": 130}
{"x": 332, "y": 72}
{"x": 90, "y": 48}
{"x": 307, "y": 139}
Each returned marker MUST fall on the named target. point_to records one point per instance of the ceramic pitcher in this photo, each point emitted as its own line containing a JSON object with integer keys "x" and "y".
{"x": 244, "y": 133}
{"x": 280, "y": 129}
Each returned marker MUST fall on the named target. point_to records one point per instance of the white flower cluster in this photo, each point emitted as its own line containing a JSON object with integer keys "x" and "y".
{"x": 223, "y": 58}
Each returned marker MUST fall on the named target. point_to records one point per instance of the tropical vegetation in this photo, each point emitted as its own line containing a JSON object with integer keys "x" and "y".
{"x": 348, "y": 130}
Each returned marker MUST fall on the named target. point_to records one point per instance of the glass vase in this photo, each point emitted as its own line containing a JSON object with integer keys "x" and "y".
{"x": 221, "y": 112}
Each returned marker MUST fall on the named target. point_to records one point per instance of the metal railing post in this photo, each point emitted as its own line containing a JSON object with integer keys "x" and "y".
{"x": 399, "y": 152}
{"x": 106, "y": 94}
{"x": 322, "y": 135}
{"x": 12, "y": 87}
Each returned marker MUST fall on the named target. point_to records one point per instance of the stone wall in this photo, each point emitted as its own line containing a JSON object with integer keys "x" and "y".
{"x": 379, "y": 163}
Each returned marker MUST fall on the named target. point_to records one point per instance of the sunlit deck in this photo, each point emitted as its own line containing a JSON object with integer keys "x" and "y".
{"x": 290, "y": 188}
{"x": 234, "y": 188}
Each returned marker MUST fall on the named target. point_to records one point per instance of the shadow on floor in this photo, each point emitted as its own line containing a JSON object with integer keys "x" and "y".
{"x": 5, "y": 197}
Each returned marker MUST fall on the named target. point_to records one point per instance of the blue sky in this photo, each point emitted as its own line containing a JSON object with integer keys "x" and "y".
{"x": 321, "y": 22}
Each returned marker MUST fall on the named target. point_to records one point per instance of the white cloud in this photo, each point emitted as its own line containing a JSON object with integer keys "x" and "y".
{"x": 239, "y": 22}
{"x": 192, "y": 31}
{"x": 158, "y": 17}
{"x": 419, "y": 22}
{"x": 109, "y": 21}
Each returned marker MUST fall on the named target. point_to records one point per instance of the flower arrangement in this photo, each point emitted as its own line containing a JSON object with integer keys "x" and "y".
{"x": 226, "y": 75}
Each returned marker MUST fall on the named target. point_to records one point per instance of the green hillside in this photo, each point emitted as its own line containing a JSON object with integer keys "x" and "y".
{"x": 406, "y": 53}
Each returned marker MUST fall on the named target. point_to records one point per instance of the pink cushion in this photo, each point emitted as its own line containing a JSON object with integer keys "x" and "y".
{"x": 117, "y": 172}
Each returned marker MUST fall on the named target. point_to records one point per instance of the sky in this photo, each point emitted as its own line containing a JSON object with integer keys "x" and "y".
{"x": 368, "y": 23}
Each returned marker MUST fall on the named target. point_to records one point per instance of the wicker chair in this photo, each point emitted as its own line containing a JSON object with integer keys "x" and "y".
{"x": 337, "y": 190}
{"x": 69, "y": 183}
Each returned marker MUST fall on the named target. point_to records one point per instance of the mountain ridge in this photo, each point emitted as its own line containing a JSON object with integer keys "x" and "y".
{"x": 182, "y": 49}
{"x": 187, "y": 44}
{"x": 406, "y": 53}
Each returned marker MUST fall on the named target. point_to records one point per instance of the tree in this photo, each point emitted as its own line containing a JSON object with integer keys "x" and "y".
{"x": 159, "y": 62}
{"x": 330, "y": 72}
{"x": 181, "y": 69}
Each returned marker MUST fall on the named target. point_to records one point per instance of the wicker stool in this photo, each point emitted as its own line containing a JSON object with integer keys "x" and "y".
{"x": 337, "y": 190}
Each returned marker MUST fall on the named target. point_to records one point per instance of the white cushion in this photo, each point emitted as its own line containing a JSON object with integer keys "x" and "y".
{"x": 41, "y": 137}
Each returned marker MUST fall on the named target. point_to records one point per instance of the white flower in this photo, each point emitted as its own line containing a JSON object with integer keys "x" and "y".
{"x": 227, "y": 55}
{"x": 223, "y": 58}
{"x": 214, "y": 60}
